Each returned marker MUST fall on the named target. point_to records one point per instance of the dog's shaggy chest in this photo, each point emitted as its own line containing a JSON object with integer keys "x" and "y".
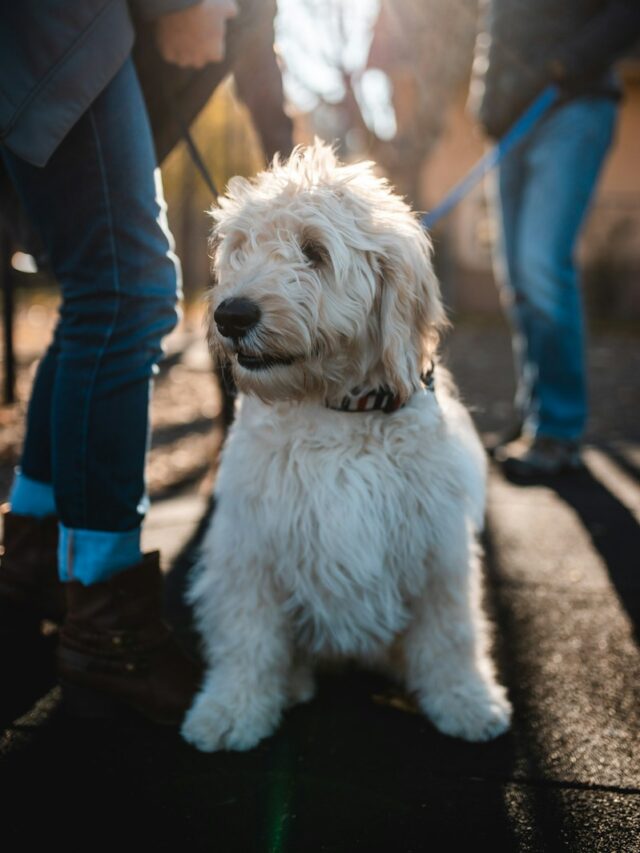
{"x": 340, "y": 505}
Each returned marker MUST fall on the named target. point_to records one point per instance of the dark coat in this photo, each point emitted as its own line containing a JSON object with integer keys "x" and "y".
{"x": 57, "y": 56}
{"x": 528, "y": 44}
{"x": 33, "y": 123}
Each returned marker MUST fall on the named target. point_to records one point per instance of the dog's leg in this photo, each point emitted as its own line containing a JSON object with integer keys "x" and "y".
{"x": 446, "y": 647}
{"x": 248, "y": 652}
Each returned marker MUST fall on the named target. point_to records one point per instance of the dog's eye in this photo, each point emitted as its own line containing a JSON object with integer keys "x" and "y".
{"x": 313, "y": 252}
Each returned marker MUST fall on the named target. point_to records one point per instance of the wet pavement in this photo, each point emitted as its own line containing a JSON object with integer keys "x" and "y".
{"x": 357, "y": 769}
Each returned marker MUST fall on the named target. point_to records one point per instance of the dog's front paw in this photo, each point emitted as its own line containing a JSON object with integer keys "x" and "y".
{"x": 211, "y": 724}
{"x": 473, "y": 710}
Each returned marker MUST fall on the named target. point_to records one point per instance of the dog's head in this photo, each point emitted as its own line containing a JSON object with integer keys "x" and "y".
{"x": 323, "y": 282}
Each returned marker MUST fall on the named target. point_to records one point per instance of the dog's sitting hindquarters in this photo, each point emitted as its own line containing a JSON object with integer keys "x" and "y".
{"x": 341, "y": 529}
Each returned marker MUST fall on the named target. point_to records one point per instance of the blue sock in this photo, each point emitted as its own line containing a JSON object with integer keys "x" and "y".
{"x": 30, "y": 497}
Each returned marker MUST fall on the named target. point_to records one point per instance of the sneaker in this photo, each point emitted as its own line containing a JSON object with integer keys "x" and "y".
{"x": 498, "y": 443}
{"x": 545, "y": 457}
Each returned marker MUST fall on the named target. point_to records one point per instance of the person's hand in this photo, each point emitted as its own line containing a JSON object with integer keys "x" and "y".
{"x": 195, "y": 36}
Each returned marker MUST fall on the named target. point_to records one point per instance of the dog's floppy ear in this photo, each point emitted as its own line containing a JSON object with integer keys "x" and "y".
{"x": 411, "y": 312}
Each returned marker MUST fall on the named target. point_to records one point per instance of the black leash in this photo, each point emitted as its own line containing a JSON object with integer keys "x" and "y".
{"x": 198, "y": 161}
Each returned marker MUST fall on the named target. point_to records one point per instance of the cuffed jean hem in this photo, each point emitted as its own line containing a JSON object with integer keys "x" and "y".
{"x": 30, "y": 497}
{"x": 95, "y": 556}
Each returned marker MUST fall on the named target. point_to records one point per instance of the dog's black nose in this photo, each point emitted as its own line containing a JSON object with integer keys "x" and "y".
{"x": 235, "y": 317}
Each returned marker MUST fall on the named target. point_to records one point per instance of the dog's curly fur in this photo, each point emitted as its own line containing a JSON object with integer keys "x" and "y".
{"x": 338, "y": 534}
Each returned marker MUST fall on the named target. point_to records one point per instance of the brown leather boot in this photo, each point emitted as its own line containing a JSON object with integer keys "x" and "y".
{"x": 117, "y": 655}
{"x": 29, "y": 586}
{"x": 30, "y": 592}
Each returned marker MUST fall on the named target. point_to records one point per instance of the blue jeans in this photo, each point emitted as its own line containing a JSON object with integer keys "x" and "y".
{"x": 98, "y": 207}
{"x": 545, "y": 186}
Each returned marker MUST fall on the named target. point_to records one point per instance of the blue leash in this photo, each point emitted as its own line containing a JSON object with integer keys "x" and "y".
{"x": 512, "y": 137}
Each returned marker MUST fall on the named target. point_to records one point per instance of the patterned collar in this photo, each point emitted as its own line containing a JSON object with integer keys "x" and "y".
{"x": 382, "y": 398}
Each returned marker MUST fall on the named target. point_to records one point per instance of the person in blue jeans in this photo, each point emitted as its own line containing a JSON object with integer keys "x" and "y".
{"x": 543, "y": 189}
{"x": 77, "y": 145}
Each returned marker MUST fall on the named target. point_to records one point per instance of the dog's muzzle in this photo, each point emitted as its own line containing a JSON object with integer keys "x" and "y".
{"x": 235, "y": 317}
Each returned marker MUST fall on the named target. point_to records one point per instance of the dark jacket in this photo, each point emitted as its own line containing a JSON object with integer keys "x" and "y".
{"x": 527, "y": 44}
{"x": 57, "y": 56}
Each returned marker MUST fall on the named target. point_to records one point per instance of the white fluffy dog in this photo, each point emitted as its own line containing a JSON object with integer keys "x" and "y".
{"x": 351, "y": 490}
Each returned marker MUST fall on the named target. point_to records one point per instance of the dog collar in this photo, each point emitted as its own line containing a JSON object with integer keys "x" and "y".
{"x": 382, "y": 398}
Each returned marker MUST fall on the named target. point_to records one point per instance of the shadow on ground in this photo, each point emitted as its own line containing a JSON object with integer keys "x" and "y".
{"x": 612, "y": 528}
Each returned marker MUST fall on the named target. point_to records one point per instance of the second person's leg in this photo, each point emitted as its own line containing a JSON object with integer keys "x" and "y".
{"x": 563, "y": 159}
